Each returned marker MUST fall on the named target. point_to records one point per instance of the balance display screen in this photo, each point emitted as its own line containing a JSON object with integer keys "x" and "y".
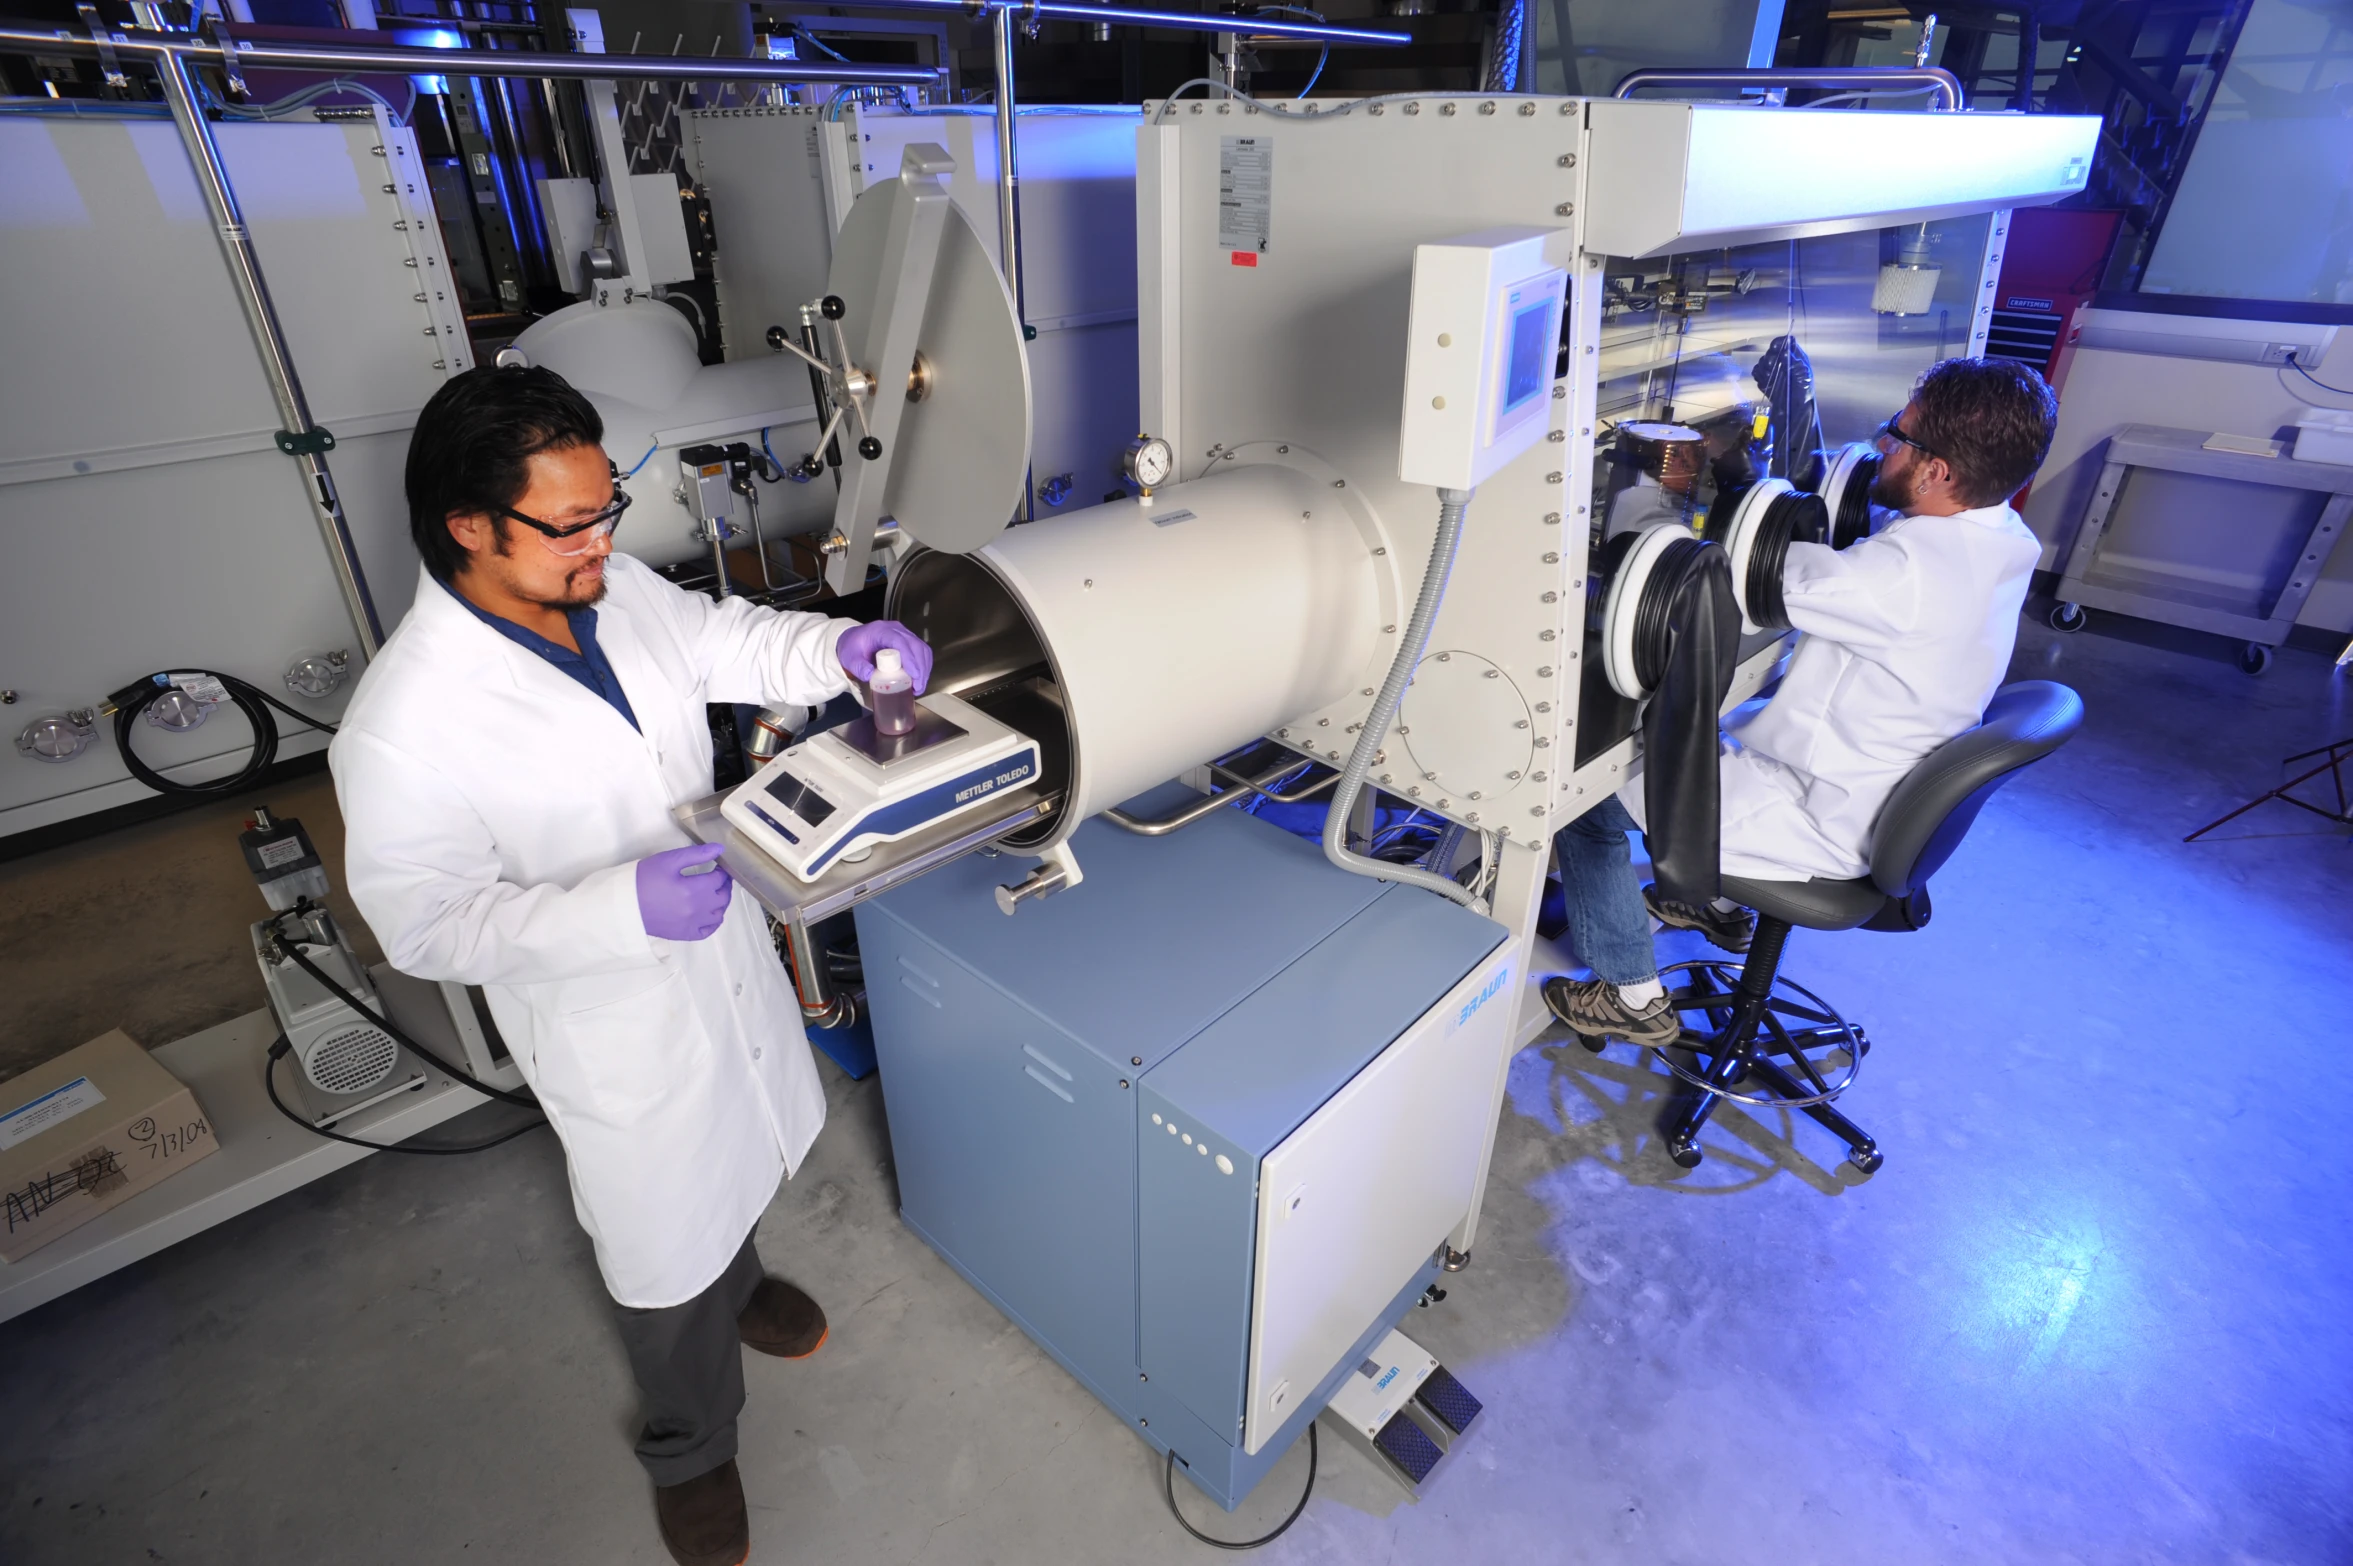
{"x": 799, "y": 797}
{"x": 1531, "y": 354}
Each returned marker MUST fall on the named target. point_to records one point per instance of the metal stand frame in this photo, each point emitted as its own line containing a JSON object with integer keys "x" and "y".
{"x": 1747, "y": 1028}
{"x": 2338, "y": 752}
{"x": 2166, "y": 450}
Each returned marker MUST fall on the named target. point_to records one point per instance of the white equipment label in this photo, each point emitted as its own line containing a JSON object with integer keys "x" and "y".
{"x": 207, "y": 690}
{"x": 283, "y": 852}
{"x": 51, "y": 1108}
{"x": 1245, "y": 195}
{"x": 1170, "y": 518}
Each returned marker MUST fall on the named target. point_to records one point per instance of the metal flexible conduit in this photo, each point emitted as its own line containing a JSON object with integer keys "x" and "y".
{"x": 1452, "y": 503}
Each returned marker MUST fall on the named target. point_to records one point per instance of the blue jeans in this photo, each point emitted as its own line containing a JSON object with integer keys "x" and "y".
{"x": 1607, "y": 920}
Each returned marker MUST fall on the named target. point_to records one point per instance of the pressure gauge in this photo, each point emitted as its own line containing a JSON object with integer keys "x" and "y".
{"x": 1148, "y": 462}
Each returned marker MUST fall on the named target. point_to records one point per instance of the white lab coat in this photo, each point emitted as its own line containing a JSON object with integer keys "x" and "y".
{"x": 1905, "y": 637}
{"x": 495, "y": 809}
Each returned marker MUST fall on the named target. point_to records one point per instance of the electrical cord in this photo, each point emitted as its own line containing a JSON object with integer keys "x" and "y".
{"x": 294, "y": 953}
{"x": 269, "y": 1080}
{"x": 1323, "y": 56}
{"x": 1169, "y": 1486}
{"x": 2297, "y": 365}
{"x": 254, "y": 703}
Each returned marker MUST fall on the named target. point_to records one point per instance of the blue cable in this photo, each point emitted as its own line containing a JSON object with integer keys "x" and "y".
{"x": 642, "y": 461}
{"x": 2297, "y": 365}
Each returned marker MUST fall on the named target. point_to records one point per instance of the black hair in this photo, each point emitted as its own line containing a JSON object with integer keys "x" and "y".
{"x": 1991, "y": 420}
{"x": 473, "y": 444}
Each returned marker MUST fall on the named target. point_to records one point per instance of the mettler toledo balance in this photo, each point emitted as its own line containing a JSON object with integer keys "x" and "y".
{"x": 838, "y": 794}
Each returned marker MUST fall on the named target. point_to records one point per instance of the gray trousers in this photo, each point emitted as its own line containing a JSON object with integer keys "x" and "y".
{"x": 688, "y": 1359}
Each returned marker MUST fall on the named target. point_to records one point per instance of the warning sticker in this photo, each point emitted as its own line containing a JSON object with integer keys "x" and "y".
{"x": 1245, "y": 194}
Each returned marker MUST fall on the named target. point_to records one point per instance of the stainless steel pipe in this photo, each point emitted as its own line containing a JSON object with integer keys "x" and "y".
{"x": 1861, "y": 78}
{"x": 30, "y": 38}
{"x": 1026, "y": 11}
{"x": 269, "y": 339}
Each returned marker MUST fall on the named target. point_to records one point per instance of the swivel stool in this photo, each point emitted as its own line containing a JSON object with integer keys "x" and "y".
{"x": 1754, "y": 1015}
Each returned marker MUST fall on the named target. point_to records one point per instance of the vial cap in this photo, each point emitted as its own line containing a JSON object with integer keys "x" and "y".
{"x": 886, "y": 660}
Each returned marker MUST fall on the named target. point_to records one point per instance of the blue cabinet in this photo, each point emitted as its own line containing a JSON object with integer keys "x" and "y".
{"x": 1081, "y": 1096}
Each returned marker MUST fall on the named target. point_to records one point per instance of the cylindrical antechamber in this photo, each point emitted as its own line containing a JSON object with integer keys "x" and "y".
{"x": 1135, "y": 640}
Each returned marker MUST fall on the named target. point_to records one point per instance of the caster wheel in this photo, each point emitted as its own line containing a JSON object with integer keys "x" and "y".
{"x": 1868, "y": 1161}
{"x": 2067, "y": 617}
{"x": 1591, "y": 1045}
{"x": 1862, "y": 1041}
{"x": 1685, "y": 1155}
{"x": 2254, "y": 658}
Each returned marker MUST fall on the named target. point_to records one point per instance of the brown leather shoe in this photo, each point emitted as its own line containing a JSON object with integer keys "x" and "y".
{"x": 781, "y": 1320}
{"x": 703, "y": 1520}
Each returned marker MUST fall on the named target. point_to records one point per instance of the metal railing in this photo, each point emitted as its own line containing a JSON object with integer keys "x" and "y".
{"x": 1027, "y": 12}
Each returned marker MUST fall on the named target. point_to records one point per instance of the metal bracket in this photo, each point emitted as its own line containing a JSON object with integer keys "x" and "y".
{"x": 1057, "y": 871}
{"x": 229, "y": 68}
{"x": 910, "y": 255}
{"x": 109, "y": 66}
{"x": 315, "y": 441}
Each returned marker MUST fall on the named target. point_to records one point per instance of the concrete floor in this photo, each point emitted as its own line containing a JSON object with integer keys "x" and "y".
{"x": 2092, "y": 1310}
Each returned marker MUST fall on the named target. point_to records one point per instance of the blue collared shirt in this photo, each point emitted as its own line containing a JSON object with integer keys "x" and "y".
{"x": 589, "y": 665}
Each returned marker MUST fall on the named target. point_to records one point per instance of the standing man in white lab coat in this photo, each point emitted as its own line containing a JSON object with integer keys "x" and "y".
{"x": 1904, "y": 637}
{"x": 506, "y": 771}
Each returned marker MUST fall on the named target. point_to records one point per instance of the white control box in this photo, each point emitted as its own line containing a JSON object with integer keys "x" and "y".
{"x": 838, "y": 794}
{"x": 1481, "y": 355}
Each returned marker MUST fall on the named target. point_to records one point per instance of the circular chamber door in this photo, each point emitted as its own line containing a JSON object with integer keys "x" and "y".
{"x": 1467, "y": 728}
{"x": 962, "y": 458}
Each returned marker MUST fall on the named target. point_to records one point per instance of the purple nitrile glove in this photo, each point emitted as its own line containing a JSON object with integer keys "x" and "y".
{"x": 682, "y": 893}
{"x": 859, "y": 644}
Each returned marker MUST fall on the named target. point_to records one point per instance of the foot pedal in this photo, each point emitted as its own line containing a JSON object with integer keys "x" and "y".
{"x": 1449, "y": 1399}
{"x": 1403, "y": 1409}
{"x": 1403, "y": 1443}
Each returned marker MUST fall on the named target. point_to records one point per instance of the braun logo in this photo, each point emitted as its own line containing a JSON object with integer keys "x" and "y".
{"x": 1387, "y": 1376}
{"x": 991, "y": 785}
{"x": 1470, "y": 1007}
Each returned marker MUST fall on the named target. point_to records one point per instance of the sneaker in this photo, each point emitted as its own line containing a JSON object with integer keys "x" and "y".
{"x": 1732, "y": 931}
{"x": 1592, "y": 1008}
{"x": 703, "y": 1520}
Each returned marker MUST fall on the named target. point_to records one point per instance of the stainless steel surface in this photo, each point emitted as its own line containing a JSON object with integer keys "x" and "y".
{"x": 28, "y": 37}
{"x": 847, "y": 885}
{"x": 1850, "y": 78}
{"x": 269, "y": 339}
{"x": 1178, "y": 21}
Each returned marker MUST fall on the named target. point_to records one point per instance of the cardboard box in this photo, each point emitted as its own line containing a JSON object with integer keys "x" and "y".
{"x": 86, "y": 1132}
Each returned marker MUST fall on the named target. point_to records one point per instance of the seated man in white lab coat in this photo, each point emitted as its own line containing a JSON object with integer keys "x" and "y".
{"x": 1904, "y": 637}
{"x": 506, "y": 771}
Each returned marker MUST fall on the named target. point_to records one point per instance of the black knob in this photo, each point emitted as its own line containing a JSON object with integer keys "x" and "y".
{"x": 776, "y": 338}
{"x": 870, "y": 448}
{"x": 833, "y": 307}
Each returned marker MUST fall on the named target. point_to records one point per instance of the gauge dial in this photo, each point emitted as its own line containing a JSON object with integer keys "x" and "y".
{"x": 1149, "y": 462}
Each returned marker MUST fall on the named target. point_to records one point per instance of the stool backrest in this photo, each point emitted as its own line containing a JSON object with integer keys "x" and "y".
{"x": 1931, "y": 810}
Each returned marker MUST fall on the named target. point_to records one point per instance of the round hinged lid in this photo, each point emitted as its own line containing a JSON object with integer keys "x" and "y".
{"x": 962, "y": 452}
